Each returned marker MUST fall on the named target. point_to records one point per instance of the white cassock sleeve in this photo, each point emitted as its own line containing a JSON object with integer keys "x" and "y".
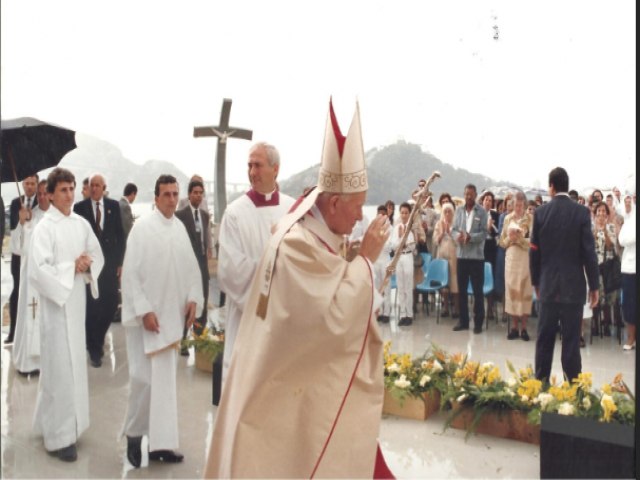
{"x": 52, "y": 266}
{"x": 235, "y": 268}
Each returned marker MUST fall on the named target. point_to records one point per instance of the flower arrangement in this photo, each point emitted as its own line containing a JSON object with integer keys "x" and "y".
{"x": 414, "y": 377}
{"x": 462, "y": 382}
{"x": 210, "y": 342}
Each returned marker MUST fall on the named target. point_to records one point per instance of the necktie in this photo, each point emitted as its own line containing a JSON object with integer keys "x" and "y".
{"x": 198, "y": 226}
{"x": 98, "y": 218}
{"x": 28, "y": 202}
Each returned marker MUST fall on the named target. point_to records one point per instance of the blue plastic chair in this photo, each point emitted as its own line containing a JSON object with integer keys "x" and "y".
{"x": 488, "y": 286}
{"x": 435, "y": 280}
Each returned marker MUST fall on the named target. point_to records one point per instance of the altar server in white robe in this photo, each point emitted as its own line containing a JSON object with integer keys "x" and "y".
{"x": 380, "y": 268}
{"x": 404, "y": 267}
{"x": 244, "y": 231}
{"x": 161, "y": 292}
{"x": 64, "y": 256}
{"x": 26, "y": 345}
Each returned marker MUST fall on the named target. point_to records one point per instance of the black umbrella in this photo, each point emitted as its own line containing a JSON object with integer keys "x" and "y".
{"x": 30, "y": 145}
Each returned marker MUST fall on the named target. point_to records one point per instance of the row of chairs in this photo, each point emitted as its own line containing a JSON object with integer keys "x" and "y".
{"x": 436, "y": 278}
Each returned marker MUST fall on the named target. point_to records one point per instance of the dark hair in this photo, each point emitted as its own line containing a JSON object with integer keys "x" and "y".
{"x": 488, "y": 193}
{"x": 471, "y": 186}
{"x": 163, "y": 180}
{"x": 559, "y": 179}
{"x": 593, "y": 193}
{"x": 85, "y": 181}
{"x": 405, "y": 205}
{"x": 193, "y": 184}
{"x": 573, "y": 194}
{"x": 130, "y": 188}
{"x": 443, "y": 196}
{"x": 382, "y": 209}
{"x": 596, "y": 206}
{"x": 58, "y": 175}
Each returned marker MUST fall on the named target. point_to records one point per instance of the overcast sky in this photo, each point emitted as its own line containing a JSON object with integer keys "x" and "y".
{"x": 558, "y": 86}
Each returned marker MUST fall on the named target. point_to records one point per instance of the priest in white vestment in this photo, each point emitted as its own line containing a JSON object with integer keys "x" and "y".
{"x": 26, "y": 345}
{"x": 245, "y": 229}
{"x": 303, "y": 396}
{"x": 161, "y": 292}
{"x": 64, "y": 256}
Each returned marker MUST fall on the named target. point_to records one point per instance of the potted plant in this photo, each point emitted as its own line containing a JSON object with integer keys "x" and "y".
{"x": 207, "y": 346}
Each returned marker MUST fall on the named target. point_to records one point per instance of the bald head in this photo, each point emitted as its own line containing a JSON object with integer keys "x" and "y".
{"x": 97, "y": 187}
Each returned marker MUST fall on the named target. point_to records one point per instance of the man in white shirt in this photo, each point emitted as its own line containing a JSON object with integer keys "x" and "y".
{"x": 64, "y": 256}
{"x": 19, "y": 214}
{"x": 161, "y": 293}
{"x": 26, "y": 347}
{"x": 245, "y": 229}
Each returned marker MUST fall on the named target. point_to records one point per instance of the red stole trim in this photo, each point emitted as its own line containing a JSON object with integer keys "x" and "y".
{"x": 260, "y": 200}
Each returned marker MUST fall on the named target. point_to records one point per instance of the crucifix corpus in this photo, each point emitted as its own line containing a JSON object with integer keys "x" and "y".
{"x": 223, "y": 131}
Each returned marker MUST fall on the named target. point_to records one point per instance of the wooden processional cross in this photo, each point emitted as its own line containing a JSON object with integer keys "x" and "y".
{"x": 222, "y": 131}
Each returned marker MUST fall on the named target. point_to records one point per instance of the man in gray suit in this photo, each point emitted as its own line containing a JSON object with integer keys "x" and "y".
{"x": 196, "y": 221}
{"x": 128, "y": 197}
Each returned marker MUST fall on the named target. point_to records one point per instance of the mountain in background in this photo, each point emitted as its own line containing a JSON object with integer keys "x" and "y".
{"x": 393, "y": 173}
{"x": 95, "y": 155}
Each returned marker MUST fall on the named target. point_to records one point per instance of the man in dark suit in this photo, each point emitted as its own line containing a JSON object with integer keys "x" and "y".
{"x": 103, "y": 214}
{"x": 196, "y": 220}
{"x": 128, "y": 197}
{"x": 562, "y": 252}
{"x": 19, "y": 213}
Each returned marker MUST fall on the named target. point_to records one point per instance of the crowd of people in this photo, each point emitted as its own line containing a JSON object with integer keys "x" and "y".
{"x": 500, "y": 235}
{"x": 304, "y": 282}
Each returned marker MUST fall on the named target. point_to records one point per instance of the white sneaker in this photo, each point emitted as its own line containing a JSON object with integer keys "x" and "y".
{"x": 626, "y": 347}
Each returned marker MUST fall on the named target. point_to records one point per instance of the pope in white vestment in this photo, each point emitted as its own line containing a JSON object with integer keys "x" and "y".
{"x": 303, "y": 396}
{"x": 244, "y": 232}
{"x": 26, "y": 345}
{"x": 160, "y": 274}
{"x": 62, "y": 406}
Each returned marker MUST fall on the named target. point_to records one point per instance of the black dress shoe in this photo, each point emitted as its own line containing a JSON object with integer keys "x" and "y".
{"x": 134, "y": 452}
{"x": 8, "y": 340}
{"x": 95, "y": 360}
{"x": 459, "y": 327}
{"x": 384, "y": 318}
{"x": 167, "y": 456}
{"x": 444, "y": 314}
{"x": 184, "y": 352}
{"x": 32, "y": 372}
{"x": 66, "y": 454}
{"x": 513, "y": 334}
{"x": 524, "y": 335}
{"x": 405, "y": 321}
{"x": 477, "y": 329}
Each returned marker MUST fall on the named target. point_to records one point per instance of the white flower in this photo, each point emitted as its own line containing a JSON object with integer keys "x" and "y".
{"x": 437, "y": 367}
{"x": 461, "y": 397}
{"x": 394, "y": 368}
{"x": 424, "y": 364}
{"x": 545, "y": 399}
{"x": 512, "y": 382}
{"x": 586, "y": 403}
{"x": 565, "y": 408}
{"x": 524, "y": 398}
{"x": 509, "y": 392}
{"x": 487, "y": 365}
{"x": 424, "y": 380}
{"x": 402, "y": 382}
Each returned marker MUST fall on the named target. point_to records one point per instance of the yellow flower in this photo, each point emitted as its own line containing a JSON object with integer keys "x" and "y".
{"x": 608, "y": 407}
{"x": 584, "y": 381}
{"x": 606, "y": 389}
{"x": 530, "y": 388}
